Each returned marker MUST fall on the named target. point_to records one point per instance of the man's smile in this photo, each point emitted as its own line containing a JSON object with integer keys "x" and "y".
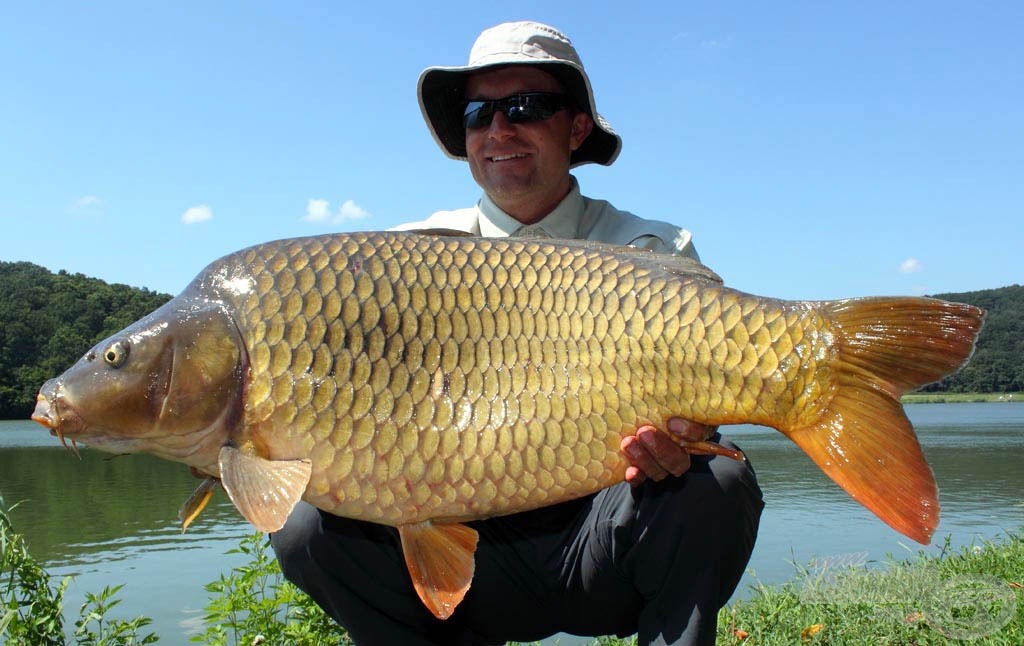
{"x": 501, "y": 158}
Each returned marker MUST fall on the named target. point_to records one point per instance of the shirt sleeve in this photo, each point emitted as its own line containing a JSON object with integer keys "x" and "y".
{"x": 604, "y": 223}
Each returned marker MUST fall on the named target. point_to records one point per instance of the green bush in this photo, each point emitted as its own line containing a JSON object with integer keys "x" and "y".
{"x": 250, "y": 606}
{"x": 32, "y": 606}
{"x": 255, "y": 605}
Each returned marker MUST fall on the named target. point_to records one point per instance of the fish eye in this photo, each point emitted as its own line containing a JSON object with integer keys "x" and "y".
{"x": 116, "y": 354}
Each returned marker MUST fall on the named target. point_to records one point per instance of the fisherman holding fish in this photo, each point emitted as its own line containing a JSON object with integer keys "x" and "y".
{"x": 411, "y": 385}
{"x": 656, "y": 555}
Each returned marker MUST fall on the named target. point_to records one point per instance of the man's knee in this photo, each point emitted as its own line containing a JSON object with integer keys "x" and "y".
{"x": 292, "y": 542}
{"x": 729, "y": 484}
{"x": 713, "y": 484}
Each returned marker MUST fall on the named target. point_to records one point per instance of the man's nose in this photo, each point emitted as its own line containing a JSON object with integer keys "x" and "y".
{"x": 500, "y": 127}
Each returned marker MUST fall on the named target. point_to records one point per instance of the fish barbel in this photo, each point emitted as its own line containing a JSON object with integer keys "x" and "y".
{"x": 421, "y": 380}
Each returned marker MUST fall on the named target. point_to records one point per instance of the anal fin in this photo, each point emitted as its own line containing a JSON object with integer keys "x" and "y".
{"x": 440, "y": 558}
{"x": 264, "y": 491}
{"x": 867, "y": 446}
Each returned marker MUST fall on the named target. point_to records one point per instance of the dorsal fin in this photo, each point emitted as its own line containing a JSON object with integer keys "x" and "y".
{"x": 683, "y": 266}
{"x": 438, "y": 231}
{"x": 671, "y": 263}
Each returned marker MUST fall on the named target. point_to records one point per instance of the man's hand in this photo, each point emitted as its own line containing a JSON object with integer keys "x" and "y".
{"x": 652, "y": 454}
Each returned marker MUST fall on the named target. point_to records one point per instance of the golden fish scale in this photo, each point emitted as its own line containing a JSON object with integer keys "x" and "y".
{"x": 435, "y": 377}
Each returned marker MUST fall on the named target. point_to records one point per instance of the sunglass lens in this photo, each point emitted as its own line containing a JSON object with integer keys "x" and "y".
{"x": 518, "y": 108}
{"x": 478, "y": 114}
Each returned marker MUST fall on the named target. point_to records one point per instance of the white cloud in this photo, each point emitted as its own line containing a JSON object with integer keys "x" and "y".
{"x": 88, "y": 200}
{"x": 196, "y": 214}
{"x": 318, "y": 210}
{"x": 351, "y": 211}
{"x": 910, "y": 266}
{"x": 86, "y": 204}
{"x": 716, "y": 43}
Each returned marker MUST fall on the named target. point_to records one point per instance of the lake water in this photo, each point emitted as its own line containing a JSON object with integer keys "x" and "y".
{"x": 109, "y": 520}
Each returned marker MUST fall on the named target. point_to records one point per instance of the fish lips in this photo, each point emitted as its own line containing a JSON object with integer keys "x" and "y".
{"x": 53, "y": 411}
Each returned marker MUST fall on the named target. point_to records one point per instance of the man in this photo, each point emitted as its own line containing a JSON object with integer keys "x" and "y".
{"x": 656, "y": 555}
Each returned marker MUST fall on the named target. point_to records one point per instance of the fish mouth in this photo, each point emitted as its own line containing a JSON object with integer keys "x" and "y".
{"x": 55, "y": 414}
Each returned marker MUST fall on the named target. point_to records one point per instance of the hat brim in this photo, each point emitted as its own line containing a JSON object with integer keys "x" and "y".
{"x": 442, "y": 98}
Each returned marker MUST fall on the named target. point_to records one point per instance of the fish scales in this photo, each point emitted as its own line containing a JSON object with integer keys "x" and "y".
{"x": 434, "y": 361}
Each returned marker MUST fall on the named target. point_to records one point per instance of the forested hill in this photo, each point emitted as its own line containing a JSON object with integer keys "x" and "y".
{"x": 998, "y": 362}
{"x": 48, "y": 321}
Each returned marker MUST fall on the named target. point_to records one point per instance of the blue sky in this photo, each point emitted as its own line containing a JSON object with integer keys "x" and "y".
{"x": 816, "y": 150}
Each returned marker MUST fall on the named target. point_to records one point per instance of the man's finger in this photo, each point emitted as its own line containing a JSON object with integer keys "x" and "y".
{"x": 668, "y": 455}
{"x": 634, "y": 476}
{"x": 639, "y": 455}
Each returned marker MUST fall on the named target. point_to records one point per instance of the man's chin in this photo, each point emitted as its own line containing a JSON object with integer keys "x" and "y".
{"x": 508, "y": 184}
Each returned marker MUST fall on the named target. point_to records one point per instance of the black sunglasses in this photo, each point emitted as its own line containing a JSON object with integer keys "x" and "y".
{"x": 528, "y": 107}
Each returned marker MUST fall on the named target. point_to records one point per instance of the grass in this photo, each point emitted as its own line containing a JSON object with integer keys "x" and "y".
{"x": 960, "y": 398}
{"x": 974, "y": 594}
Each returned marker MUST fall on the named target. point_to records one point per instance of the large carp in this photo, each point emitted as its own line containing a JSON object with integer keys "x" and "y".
{"x": 422, "y": 380}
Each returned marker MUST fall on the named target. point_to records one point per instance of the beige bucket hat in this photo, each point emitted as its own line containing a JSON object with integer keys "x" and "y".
{"x": 441, "y": 89}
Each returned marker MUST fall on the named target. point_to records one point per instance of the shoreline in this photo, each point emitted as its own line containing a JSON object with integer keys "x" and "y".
{"x": 961, "y": 398}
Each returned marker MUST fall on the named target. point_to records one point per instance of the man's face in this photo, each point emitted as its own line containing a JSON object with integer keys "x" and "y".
{"x": 523, "y": 167}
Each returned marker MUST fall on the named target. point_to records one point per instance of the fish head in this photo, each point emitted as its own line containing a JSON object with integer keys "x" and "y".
{"x": 170, "y": 384}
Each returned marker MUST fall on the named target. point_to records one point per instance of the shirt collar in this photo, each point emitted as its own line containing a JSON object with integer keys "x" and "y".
{"x": 562, "y": 222}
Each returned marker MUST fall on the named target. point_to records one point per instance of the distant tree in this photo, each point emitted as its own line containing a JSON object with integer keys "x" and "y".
{"x": 998, "y": 361}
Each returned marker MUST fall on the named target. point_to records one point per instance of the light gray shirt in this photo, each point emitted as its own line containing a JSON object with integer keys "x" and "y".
{"x": 575, "y": 217}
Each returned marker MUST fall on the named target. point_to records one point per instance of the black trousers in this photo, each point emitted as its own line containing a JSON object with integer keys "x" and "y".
{"x": 658, "y": 560}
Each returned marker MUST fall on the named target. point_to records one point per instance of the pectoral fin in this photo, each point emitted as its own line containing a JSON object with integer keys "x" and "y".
{"x": 440, "y": 558}
{"x": 196, "y": 503}
{"x": 264, "y": 491}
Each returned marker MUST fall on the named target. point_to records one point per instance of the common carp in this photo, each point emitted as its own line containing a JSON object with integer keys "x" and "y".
{"x": 425, "y": 379}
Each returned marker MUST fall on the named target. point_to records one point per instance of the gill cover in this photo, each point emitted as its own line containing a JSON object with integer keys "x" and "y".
{"x": 175, "y": 372}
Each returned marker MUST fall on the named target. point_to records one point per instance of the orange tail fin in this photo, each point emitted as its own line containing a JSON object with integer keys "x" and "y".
{"x": 864, "y": 441}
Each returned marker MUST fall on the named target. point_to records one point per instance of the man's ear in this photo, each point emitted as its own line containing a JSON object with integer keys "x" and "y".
{"x": 582, "y": 124}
